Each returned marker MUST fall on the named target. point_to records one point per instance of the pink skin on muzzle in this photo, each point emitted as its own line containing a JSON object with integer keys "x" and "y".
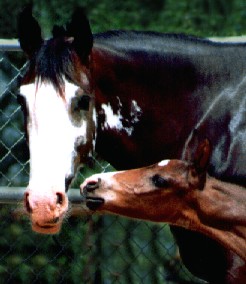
{"x": 46, "y": 210}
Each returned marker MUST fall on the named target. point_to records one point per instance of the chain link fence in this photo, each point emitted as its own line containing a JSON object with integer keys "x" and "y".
{"x": 90, "y": 248}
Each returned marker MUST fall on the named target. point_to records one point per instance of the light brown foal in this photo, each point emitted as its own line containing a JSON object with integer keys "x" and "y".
{"x": 176, "y": 192}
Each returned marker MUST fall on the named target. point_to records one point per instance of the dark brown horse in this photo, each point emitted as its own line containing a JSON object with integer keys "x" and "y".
{"x": 135, "y": 98}
{"x": 179, "y": 193}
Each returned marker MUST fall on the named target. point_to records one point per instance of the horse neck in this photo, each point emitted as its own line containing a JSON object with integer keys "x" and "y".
{"x": 220, "y": 212}
{"x": 121, "y": 80}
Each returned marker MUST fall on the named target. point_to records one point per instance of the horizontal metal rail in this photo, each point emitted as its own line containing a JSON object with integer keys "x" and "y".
{"x": 13, "y": 195}
{"x": 9, "y": 45}
{"x": 13, "y": 44}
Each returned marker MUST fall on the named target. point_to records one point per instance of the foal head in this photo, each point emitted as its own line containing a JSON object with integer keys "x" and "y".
{"x": 156, "y": 193}
{"x": 56, "y": 96}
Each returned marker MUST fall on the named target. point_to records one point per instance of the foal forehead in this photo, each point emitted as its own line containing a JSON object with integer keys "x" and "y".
{"x": 172, "y": 166}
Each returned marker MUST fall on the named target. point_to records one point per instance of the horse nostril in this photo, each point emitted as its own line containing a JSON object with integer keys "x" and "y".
{"x": 92, "y": 185}
{"x": 59, "y": 198}
{"x": 56, "y": 220}
{"x": 53, "y": 221}
{"x": 27, "y": 203}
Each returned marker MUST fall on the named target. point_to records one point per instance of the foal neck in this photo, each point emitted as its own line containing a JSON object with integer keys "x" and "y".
{"x": 221, "y": 214}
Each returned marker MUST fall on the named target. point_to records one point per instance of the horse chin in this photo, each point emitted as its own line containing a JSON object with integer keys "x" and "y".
{"x": 46, "y": 229}
{"x": 46, "y": 226}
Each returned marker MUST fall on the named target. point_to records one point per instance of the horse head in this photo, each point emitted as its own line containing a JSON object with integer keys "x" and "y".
{"x": 56, "y": 94}
{"x": 153, "y": 193}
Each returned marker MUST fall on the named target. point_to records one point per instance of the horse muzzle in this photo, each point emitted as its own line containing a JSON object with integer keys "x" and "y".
{"x": 46, "y": 211}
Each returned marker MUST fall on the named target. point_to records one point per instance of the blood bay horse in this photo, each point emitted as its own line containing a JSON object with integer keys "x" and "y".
{"x": 150, "y": 92}
{"x": 179, "y": 193}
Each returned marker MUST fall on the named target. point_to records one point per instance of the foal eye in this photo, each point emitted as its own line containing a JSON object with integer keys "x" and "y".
{"x": 159, "y": 181}
{"x": 83, "y": 103}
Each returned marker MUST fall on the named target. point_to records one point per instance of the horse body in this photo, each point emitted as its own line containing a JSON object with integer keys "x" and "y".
{"x": 151, "y": 92}
{"x": 180, "y": 85}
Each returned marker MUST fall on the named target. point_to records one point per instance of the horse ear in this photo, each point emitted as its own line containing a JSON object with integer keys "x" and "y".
{"x": 79, "y": 29}
{"x": 202, "y": 156}
{"x": 29, "y": 32}
{"x": 198, "y": 170}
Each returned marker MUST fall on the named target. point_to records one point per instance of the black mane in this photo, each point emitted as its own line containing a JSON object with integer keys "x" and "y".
{"x": 157, "y": 42}
{"x": 55, "y": 61}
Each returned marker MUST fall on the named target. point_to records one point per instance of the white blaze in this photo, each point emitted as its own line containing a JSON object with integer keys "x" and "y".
{"x": 51, "y": 134}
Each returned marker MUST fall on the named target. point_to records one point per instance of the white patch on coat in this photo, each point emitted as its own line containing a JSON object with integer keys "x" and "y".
{"x": 112, "y": 120}
{"x": 163, "y": 163}
{"x": 136, "y": 112}
{"x": 115, "y": 120}
{"x": 52, "y": 135}
{"x": 119, "y": 102}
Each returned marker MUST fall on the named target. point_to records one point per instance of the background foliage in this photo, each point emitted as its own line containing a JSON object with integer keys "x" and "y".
{"x": 93, "y": 249}
{"x": 197, "y": 17}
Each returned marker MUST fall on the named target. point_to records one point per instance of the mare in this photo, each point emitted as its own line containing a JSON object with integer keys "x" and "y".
{"x": 179, "y": 193}
{"x": 135, "y": 98}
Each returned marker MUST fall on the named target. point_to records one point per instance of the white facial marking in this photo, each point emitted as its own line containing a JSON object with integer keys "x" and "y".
{"x": 94, "y": 118}
{"x": 115, "y": 120}
{"x": 163, "y": 163}
{"x": 108, "y": 182}
{"x": 51, "y": 134}
{"x": 108, "y": 179}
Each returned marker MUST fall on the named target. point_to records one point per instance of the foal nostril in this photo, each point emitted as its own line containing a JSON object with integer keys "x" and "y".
{"x": 92, "y": 185}
{"x": 59, "y": 198}
{"x": 27, "y": 203}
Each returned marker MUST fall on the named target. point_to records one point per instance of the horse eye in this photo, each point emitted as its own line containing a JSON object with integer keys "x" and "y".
{"x": 83, "y": 102}
{"x": 159, "y": 181}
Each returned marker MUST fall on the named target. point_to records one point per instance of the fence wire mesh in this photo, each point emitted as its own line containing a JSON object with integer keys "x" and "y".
{"x": 89, "y": 249}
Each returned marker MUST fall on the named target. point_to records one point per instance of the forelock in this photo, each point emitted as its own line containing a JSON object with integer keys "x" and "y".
{"x": 54, "y": 62}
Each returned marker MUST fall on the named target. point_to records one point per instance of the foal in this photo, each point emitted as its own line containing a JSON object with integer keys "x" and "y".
{"x": 177, "y": 192}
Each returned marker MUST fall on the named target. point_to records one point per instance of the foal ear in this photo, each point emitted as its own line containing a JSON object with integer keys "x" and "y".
{"x": 79, "y": 29}
{"x": 29, "y": 32}
{"x": 202, "y": 156}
